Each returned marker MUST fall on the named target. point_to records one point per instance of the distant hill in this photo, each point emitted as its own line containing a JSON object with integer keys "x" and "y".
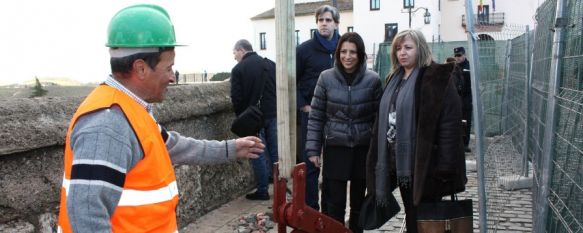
{"x": 69, "y": 89}
{"x": 55, "y": 81}
{"x": 48, "y": 81}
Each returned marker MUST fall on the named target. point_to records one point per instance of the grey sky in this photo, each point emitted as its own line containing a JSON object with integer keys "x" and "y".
{"x": 66, "y": 38}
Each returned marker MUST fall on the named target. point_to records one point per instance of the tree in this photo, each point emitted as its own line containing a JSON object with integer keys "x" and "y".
{"x": 38, "y": 89}
{"x": 221, "y": 76}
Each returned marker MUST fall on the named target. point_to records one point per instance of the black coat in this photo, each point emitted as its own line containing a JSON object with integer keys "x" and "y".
{"x": 466, "y": 86}
{"x": 439, "y": 164}
{"x": 247, "y": 77}
{"x": 342, "y": 114}
{"x": 311, "y": 59}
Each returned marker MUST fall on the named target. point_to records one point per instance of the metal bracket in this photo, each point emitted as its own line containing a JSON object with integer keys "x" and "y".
{"x": 296, "y": 214}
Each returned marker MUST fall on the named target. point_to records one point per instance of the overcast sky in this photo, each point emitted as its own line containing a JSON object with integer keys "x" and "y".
{"x": 66, "y": 38}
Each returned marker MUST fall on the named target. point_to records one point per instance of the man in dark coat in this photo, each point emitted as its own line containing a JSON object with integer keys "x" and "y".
{"x": 465, "y": 93}
{"x": 313, "y": 57}
{"x": 253, "y": 81}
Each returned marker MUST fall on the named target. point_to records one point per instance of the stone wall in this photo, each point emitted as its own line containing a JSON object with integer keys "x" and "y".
{"x": 32, "y": 133}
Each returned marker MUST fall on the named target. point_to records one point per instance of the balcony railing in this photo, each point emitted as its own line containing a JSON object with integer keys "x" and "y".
{"x": 491, "y": 19}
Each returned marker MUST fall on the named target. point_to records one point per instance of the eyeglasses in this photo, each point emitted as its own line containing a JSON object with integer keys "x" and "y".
{"x": 328, "y": 20}
{"x": 458, "y": 55}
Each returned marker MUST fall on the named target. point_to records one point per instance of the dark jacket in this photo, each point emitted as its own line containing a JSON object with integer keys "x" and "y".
{"x": 311, "y": 59}
{"x": 439, "y": 165}
{"x": 466, "y": 86}
{"x": 247, "y": 77}
{"x": 342, "y": 114}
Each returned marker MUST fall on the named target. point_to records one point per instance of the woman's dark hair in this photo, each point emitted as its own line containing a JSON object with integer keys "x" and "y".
{"x": 352, "y": 37}
{"x": 124, "y": 64}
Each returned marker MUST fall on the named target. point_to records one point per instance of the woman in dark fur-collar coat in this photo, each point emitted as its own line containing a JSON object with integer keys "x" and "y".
{"x": 416, "y": 144}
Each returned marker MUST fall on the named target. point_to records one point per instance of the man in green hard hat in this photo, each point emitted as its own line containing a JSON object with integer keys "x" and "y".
{"x": 118, "y": 172}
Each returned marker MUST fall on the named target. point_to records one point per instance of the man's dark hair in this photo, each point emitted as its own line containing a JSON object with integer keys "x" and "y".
{"x": 327, "y": 8}
{"x": 124, "y": 64}
{"x": 351, "y": 37}
{"x": 244, "y": 45}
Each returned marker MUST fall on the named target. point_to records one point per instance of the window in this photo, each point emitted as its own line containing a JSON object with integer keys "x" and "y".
{"x": 408, "y": 4}
{"x": 297, "y": 37}
{"x": 262, "y": 42}
{"x": 375, "y": 5}
{"x": 391, "y": 30}
{"x": 483, "y": 14}
{"x": 350, "y": 29}
{"x": 312, "y": 33}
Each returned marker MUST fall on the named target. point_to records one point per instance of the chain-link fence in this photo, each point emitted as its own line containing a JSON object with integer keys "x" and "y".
{"x": 531, "y": 90}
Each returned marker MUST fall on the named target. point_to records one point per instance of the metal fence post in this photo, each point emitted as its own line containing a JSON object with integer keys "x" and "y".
{"x": 550, "y": 120}
{"x": 478, "y": 115}
{"x": 504, "y": 106}
{"x": 527, "y": 93}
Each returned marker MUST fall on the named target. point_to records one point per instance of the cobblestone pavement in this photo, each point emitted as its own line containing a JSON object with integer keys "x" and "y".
{"x": 508, "y": 211}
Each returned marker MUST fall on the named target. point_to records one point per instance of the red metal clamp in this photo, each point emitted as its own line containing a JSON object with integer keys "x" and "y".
{"x": 296, "y": 214}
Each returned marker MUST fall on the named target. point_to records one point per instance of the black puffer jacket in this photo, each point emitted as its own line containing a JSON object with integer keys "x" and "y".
{"x": 342, "y": 114}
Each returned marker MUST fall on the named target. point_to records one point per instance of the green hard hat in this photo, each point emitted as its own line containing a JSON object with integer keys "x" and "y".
{"x": 141, "y": 26}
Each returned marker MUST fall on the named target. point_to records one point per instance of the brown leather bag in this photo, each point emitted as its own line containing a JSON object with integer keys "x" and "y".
{"x": 448, "y": 216}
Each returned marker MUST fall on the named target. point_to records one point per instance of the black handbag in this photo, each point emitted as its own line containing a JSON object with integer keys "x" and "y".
{"x": 373, "y": 216}
{"x": 451, "y": 216}
{"x": 250, "y": 121}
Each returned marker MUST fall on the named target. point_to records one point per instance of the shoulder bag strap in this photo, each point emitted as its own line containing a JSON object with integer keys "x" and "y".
{"x": 262, "y": 84}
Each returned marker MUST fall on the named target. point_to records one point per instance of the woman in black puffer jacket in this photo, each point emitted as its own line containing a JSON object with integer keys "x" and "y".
{"x": 340, "y": 124}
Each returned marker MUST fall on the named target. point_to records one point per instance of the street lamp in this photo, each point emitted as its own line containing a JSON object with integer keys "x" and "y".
{"x": 410, "y": 4}
{"x": 426, "y": 16}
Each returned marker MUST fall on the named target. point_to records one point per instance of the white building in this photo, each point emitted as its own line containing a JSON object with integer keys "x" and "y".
{"x": 377, "y": 21}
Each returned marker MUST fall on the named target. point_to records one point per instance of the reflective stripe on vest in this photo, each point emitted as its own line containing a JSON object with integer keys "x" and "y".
{"x": 59, "y": 230}
{"x": 150, "y": 193}
{"x": 137, "y": 197}
{"x": 131, "y": 197}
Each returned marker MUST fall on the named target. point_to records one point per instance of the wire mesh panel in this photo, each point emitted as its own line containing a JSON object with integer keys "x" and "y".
{"x": 382, "y": 63}
{"x": 566, "y": 194}
{"x": 541, "y": 66}
{"x": 503, "y": 73}
{"x": 515, "y": 106}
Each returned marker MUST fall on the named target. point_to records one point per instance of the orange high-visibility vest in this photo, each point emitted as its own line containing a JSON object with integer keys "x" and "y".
{"x": 150, "y": 194}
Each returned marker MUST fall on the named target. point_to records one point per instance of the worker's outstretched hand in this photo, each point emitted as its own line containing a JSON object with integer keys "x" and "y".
{"x": 249, "y": 147}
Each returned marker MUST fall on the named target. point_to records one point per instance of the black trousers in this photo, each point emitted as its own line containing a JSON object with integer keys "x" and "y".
{"x": 342, "y": 164}
{"x": 336, "y": 200}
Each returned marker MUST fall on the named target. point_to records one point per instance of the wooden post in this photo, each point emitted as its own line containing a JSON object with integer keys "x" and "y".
{"x": 286, "y": 85}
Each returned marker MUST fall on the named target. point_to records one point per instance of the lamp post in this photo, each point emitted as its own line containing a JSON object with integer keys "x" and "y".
{"x": 410, "y": 5}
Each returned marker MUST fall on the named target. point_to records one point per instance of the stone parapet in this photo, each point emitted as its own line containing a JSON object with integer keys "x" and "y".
{"x": 32, "y": 136}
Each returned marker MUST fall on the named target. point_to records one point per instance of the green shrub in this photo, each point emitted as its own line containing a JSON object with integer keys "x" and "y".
{"x": 221, "y": 76}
